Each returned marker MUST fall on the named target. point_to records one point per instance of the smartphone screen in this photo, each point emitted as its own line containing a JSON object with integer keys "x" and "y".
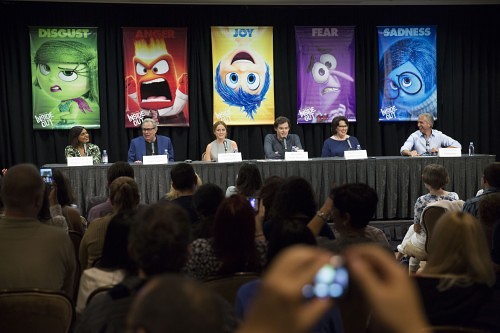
{"x": 46, "y": 174}
{"x": 254, "y": 202}
{"x": 331, "y": 280}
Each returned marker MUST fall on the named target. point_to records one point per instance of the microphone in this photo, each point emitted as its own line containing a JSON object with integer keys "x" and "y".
{"x": 225, "y": 145}
{"x": 349, "y": 143}
{"x": 85, "y": 149}
{"x": 152, "y": 148}
{"x": 284, "y": 141}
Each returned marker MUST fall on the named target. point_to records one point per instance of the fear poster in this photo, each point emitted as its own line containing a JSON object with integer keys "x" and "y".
{"x": 156, "y": 79}
{"x": 65, "y": 89}
{"x": 243, "y": 75}
{"x": 325, "y": 74}
{"x": 407, "y": 72}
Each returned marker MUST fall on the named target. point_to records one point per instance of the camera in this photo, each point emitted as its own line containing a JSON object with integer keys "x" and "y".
{"x": 254, "y": 202}
{"x": 331, "y": 280}
{"x": 46, "y": 174}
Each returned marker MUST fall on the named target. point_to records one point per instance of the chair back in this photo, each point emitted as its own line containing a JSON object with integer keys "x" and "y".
{"x": 430, "y": 216}
{"x": 35, "y": 311}
{"x": 227, "y": 285}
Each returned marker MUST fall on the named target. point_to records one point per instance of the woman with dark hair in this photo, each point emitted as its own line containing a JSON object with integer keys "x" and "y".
{"x": 79, "y": 145}
{"x": 51, "y": 212}
{"x": 114, "y": 264}
{"x": 248, "y": 181}
{"x": 221, "y": 144}
{"x": 233, "y": 247}
{"x": 340, "y": 141}
{"x": 66, "y": 199}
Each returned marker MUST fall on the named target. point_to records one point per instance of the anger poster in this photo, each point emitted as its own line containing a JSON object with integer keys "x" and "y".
{"x": 64, "y": 70}
{"x": 243, "y": 75}
{"x": 156, "y": 79}
{"x": 325, "y": 74}
{"x": 407, "y": 72}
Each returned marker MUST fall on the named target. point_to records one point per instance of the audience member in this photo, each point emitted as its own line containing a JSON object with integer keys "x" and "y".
{"x": 248, "y": 181}
{"x": 158, "y": 243}
{"x": 340, "y": 141}
{"x": 489, "y": 213}
{"x": 79, "y": 145}
{"x": 206, "y": 200}
{"x": 268, "y": 192}
{"x": 101, "y": 206}
{"x": 51, "y": 211}
{"x": 33, "y": 255}
{"x": 275, "y": 145}
{"x": 456, "y": 281}
{"x": 233, "y": 248}
{"x": 66, "y": 199}
{"x": 491, "y": 184}
{"x": 114, "y": 264}
{"x": 174, "y": 194}
{"x": 221, "y": 144}
{"x": 426, "y": 140}
{"x": 149, "y": 143}
{"x": 124, "y": 195}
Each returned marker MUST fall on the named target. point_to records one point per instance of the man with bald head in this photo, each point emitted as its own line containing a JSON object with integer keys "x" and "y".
{"x": 33, "y": 255}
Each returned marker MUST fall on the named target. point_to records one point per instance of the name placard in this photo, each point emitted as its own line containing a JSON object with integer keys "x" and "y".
{"x": 229, "y": 157}
{"x": 80, "y": 161}
{"x": 296, "y": 156}
{"x": 155, "y": 159}
{"x": 355, "y": 154}
{"x": 449, "y": 152}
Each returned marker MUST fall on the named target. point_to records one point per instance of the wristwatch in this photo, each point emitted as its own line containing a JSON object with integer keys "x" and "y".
{"x": 323, "y": 215}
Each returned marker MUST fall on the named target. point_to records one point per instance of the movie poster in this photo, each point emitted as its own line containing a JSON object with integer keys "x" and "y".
{"x": 407, "y": 72}
{"x": 325, "y": 74}
{"x": 243, "y": 75}
{"x": 64, "y": 69}
{"x": 156, "y": 76}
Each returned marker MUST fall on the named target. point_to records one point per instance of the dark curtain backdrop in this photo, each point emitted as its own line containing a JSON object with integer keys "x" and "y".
{"x": 468, "y": 74}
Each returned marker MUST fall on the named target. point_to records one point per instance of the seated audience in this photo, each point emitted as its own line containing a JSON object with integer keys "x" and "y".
{"x": 79, "y": 145}
{"x": 124, "y": 195}
{"x": 489, "y": 213}
{"x": 101, "y": 206}
{"x": 268, "y": 192}
{"x": 221, "y": 144}
{"x": 114, "y": 264}
{"x": 455, "y": 284}
{"x": 158, "y": 243}
{"x": 149, "y": 143}
{"x": 491, "y": 184}
{"x": 233, "y": 247}
{"x": 33, "y": 255}
{"x": 340, "y": 141}
{"x": 248, "y": 181}
{"x": 427, "y": 141}
{"x": 206, "y": 200}
{"x": 51, "y": 211}
{"x": 66, "y": 199}
{"x": 174, "y": 194}
{"x": 275, "y": 145}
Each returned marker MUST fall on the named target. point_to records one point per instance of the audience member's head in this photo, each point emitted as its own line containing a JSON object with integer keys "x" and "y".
{"x": 489, "y": 208}
{"x": 458, "y": 250}
{"x": 435, "y": 176}
{"x": 249, "y": 180}
{"x": 294, "y": 198}
{"x": 183, "y": 177}
{"x": 124, "y": 194}
{"x": 119, "y": 169}
{"x": 206, "y": 200}
{"x": 44, "y": 213}
{"x": 22, "y": 191}
{"x": 353, "y": 206}
{"x": 115, "y": 254}
{"x": 234, "y": 235}
{"x": 173, "y": 303}
{"x": 491, "y": 175}
{"x": 268, "y": 192}
{"x": 65, "y": 195}
{"x": 159, "y": 241}
{"x": 174, "y": 194}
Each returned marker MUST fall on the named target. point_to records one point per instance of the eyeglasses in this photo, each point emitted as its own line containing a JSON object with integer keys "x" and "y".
{"x": 148, "y": 129}
{"x": 408, "y": 82}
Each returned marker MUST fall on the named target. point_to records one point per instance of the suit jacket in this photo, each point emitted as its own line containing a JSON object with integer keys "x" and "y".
{"x": 138, "y": 148}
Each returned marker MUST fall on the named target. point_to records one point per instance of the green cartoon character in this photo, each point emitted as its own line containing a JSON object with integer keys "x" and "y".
{"x": 67, "y": 71}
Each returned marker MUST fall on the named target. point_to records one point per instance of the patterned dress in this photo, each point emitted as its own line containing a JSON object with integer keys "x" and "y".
{"x": 92, "y": 150}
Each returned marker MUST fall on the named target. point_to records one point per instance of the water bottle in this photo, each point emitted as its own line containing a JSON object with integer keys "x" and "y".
{"x": 104, "y": 156}
{"x": 358, "y": 147}
{"x": 471, "y": 148}
{"x": 166, "y": 153}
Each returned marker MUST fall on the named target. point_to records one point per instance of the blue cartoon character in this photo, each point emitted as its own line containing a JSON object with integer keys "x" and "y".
{"x": 409, "y": 87}
{"x": 327, "y": 81}
{"x": 242, "y": 79}
{"x": 67, "y": 71}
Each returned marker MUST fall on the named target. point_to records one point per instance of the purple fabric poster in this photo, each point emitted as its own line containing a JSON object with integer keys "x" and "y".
{"x": 325, "y": 74}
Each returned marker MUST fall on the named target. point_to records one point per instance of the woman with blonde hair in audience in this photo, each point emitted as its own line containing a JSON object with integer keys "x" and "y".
{"x": 456, "y": 282}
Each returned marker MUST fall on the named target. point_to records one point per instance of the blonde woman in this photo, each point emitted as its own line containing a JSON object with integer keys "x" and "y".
{"x": 221, "y": 144}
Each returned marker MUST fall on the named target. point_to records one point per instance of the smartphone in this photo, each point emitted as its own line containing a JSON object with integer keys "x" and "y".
{"x": 254, "y": 202}
{"x": 331, "y": 280}
{"x": 46, "y": 174}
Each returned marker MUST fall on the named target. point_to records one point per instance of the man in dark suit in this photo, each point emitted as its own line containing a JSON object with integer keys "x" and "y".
{"x": 149, "y": 143}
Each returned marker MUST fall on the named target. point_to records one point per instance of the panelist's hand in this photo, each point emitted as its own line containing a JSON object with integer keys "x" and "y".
{"x": 138, "y": 162}
{"x": 412, "y": 153}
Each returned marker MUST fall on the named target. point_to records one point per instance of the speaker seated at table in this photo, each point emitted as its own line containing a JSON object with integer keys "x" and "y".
{"x": 221, "y": 144}
{"x": 340, "y": 141}
{"x": 149, "y": 143}
{"x": 79, "y": 145}
{"x": 275, "y": 145}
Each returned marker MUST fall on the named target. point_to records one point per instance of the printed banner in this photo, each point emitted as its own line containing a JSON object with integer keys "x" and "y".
{"x": 243, "y": 75}
{"x": 156, "y": 79}
{"x": 407, "y": 72}
{"x": 325, "y": 74}
{"x": 64, "y": 71}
